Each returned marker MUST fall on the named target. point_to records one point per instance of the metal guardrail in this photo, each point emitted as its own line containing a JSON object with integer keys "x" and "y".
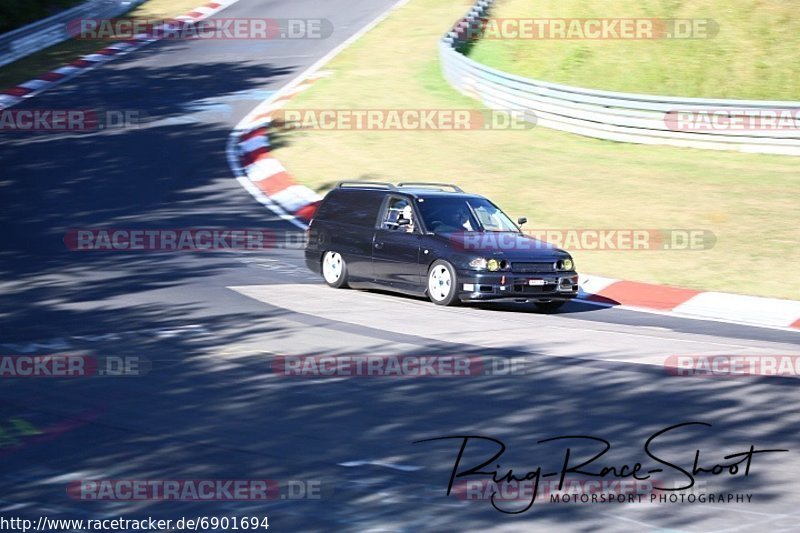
{"x": 615, "y": 116}
{"x": 29, "y": 39}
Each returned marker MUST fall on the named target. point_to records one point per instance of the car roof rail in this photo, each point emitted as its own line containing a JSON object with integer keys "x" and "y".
{"x": 365, "y": 185}
{"x": 430, "y": 185}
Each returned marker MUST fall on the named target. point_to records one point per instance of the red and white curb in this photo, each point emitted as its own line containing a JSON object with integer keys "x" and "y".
{"x": 709, "y": 305}
{"x": 250, "y": 153}
{"x": 258, "y": 171}
{"x": 15, "y": 95}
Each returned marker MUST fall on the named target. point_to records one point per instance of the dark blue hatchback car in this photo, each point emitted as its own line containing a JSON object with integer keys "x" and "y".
{"x": 435, "y": 240}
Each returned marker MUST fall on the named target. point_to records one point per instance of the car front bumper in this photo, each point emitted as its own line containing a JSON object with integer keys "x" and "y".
{"x": 485, "y": 286}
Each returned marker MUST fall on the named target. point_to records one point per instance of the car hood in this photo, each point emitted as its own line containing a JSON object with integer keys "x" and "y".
{"x": 508, "y": 245}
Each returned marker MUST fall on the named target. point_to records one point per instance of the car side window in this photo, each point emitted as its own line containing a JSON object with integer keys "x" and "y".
{"x": 398, "y": 216}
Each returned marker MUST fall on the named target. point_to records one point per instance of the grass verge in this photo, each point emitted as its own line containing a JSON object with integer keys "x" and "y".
{"x": 753, "y": 56}
{"x": 558, "y": 180}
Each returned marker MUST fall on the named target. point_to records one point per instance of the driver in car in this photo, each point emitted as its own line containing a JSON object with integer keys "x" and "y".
{"x": 407, "y": 214}
{"x": 460, "y": 218}
{"x": 455, "y": 219}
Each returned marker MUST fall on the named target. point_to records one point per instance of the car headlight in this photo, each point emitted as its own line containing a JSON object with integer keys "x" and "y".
{"x": 567, "y": 264}
{"x": 493, "y": 265}
{"x": 478, "y": 262}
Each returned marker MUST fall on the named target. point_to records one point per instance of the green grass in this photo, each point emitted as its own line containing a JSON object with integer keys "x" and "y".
{"x": 556, "y": 179}
{"x": 56, "y": 56}
{"x": 753, "y": 56}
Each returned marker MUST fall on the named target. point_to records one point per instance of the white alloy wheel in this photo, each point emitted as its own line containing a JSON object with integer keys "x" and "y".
{"x": 442, "y": 284}
{"x": 334, "y": 269}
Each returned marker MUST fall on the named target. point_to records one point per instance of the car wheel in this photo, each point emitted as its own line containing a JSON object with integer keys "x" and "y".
{"x": 334, "y": 269}
{"x": 550, "y": 307}
{"x": 442, "y": 283}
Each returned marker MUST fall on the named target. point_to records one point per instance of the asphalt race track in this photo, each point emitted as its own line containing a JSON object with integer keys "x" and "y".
{"x": 210, "y": 324}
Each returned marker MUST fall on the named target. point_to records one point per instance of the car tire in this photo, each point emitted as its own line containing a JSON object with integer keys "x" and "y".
{"x": 549, "y": 307}
{"x": 442, "y": 286}
{"x": 334, "y": 269}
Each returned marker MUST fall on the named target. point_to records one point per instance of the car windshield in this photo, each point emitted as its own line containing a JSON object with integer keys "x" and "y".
{"x": 443, "y": 215}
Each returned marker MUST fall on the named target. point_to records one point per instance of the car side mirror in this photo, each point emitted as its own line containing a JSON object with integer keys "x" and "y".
{"x": 521, "y": 220}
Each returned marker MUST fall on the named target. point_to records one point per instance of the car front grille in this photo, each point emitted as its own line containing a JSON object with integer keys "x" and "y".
{"x": 528, "y": 267}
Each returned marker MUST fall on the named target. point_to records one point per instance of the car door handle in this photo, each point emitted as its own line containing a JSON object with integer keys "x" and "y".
{"x": 379, "y": 245}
